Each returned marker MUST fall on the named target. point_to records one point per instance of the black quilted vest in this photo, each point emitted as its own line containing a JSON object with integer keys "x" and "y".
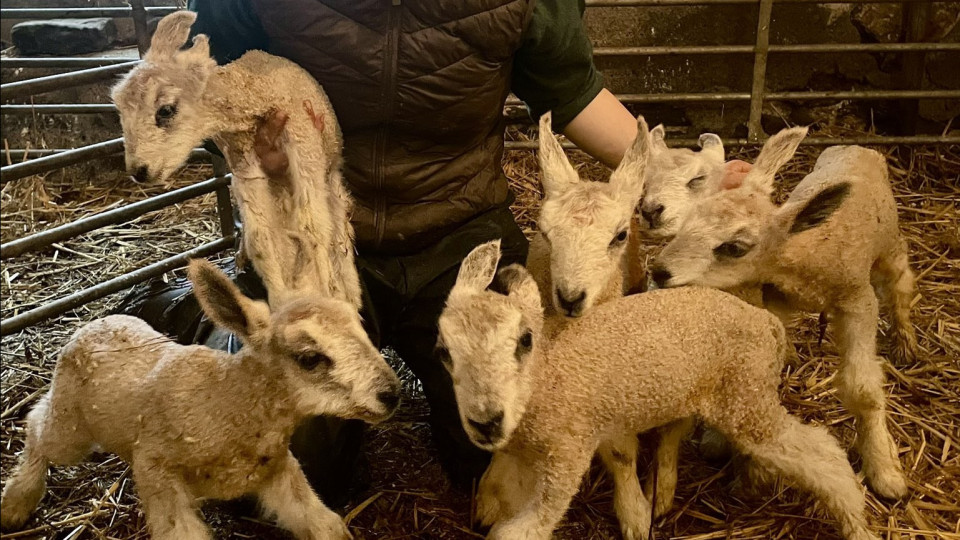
{"x": 418, "y": 87}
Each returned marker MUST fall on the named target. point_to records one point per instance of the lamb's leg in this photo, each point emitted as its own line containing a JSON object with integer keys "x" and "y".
{"x": 860, "y": 385}
{"x": 287, "y": 497}
{"x": 619, "y": 455}
{"x": 53, "y": 435}
{"x": 557, "y": 477}
{"x": 667, "y": 455}
{"x": 894, "y": 280}
{"x": 502, "y": 488}
{"x": 168, "y": 505}
{"x": 812, "y": 458}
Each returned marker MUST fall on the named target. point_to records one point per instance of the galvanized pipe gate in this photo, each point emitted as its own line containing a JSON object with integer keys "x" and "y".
{"x": 92, "y": 70}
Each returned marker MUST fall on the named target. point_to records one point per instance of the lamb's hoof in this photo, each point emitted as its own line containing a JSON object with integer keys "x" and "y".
{"x": 488, "y": 513}
{"x": 634, "y": 533}
{"x": 663, "y": 506}
{"x": 13, "y": 515}
{"x": 891, "y": 484}
{"x": 634, "y": 521}
{"x": 332, "y": 528}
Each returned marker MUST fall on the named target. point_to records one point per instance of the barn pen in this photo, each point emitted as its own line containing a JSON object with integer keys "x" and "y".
{"x": 77, "y": 233}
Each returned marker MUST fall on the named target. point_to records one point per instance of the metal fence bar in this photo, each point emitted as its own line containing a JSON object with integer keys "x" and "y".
{"x": 59, "y": 108}
{"x": 659, "y": 50}
{"x": 139, "y": 14}
{"x": 915, "y": 17}
{"x": 809, "y": 141}
{"x": 754, "y": 129}
{"x": 62, "y": 62}
{"x": 224, "y": 204}
{"x": 65, "y": 304}
{"x": 123, "y": 214}
{"x": 60, "y": 160}
{"x": 80, "y": 13}
{"x": 196, "y": 155}
{"x": 60, "y": 81}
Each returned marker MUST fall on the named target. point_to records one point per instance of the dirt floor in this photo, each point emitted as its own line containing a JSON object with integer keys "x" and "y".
{"x": 403, "y": 492}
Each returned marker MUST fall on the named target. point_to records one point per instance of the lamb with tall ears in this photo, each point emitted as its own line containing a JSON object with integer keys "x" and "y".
{"x": 676, "y": 178}
{"x": 297, "y": 230}
{"x": 583, "y": 254}
{"x": 834, "y": 247}
{"x": 545, "y": 406}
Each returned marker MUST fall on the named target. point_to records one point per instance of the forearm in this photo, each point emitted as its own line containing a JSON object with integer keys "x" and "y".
{"x": 604, "y": 129}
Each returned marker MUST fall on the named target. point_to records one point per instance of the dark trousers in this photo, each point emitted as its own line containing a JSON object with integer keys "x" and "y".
{"x": 402, "y": 300}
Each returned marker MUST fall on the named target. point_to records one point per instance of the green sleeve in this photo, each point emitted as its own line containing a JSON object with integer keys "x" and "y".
{"x": 231, "y": 25}
{"x": 553, "y": 69}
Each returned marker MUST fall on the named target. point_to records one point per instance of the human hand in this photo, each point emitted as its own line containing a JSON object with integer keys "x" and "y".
{"x": 268, "y": 143}
{"x": 734, "y": 172}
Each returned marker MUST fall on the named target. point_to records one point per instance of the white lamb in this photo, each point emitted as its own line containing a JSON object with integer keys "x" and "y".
{"x": 197, "y": 422}
{"x": 586, "y": 253}
{"x": 297, "y": 230}
{"x": 832, "y": 248}
{"x": 630, "y": 365}
{"x": 676, "y": 178}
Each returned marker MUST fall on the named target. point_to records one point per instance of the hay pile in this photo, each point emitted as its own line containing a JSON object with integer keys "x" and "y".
{"x": 404, "y": 493}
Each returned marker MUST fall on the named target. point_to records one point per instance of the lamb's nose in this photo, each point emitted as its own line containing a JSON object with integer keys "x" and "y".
{"x": 571, "y": 304}
{"x": 492, "y": 429}
{"x": 652, "y": 214}
{"x": 660, "y": 275}
{"x": 390, "y": 399}
{"x": 141, "y": 174}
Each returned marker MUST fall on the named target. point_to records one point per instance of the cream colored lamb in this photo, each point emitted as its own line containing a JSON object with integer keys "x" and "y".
{"x": 833, "y": 247}
{"x": 297, "y": 230}
{"x": 630, "y": 365}
{"x": 583, "y": 252}
{"x": 587, "y": 248}
{"x": 196, "y": 422}
{"x": 676, "y": 178}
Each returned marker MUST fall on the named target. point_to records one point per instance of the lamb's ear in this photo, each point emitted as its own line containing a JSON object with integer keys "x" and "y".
{"x": 223, "y": 302}
{"x": 776, "y": 152}
{"x": 658, "y": 139}
{"x": 199, "y": 52}
{"x": 516, "y": 282}
{"x": 711, "y": 145}
{"x": 629, "y": 176}
{"x": 820, "y": 207}
{"x": 479, "y": 267}
{"x": 172, "y": 32}
{"x": 556, "y": 172}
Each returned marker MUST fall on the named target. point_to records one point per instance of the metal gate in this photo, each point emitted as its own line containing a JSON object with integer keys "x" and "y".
{"x": 92, "y": 70}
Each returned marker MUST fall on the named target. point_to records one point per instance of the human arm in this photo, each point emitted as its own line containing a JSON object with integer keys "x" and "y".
{"x": 554, "y": 71}
{"x": 231, "y": 25}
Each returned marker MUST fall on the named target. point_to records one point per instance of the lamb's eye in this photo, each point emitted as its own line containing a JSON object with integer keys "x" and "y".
{"x": 311, "y": 361}
{"x": 696, "y": 182}
{"x": 732, "y": 250}
{"x": 165, "y": 115}
{"x": 524, "y": 344}
{"x": 620, "y": 238}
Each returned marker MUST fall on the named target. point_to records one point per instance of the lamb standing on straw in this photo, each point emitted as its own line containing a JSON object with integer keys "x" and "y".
{"x": 834, "y": 246}
{"x": 545, "y": 406}
{"x": 297, "y": 230}
{"x": 197, "y": 422}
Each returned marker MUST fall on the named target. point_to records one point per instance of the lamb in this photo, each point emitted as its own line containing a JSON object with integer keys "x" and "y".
{"x": 196, "y": 422}
{"x": 676, "y": 178}
{"x": 834, "y": 247}
{"x": 585, "y": 252}
{"x": 297, "y": 230}
{"x": 630, "y": 365}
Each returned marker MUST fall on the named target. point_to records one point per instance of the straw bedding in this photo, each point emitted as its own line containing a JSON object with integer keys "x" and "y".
{"x": 402, "y": 492}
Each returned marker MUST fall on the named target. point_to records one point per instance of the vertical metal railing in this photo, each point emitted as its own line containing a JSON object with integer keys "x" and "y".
{"x": 759, "y": 81}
